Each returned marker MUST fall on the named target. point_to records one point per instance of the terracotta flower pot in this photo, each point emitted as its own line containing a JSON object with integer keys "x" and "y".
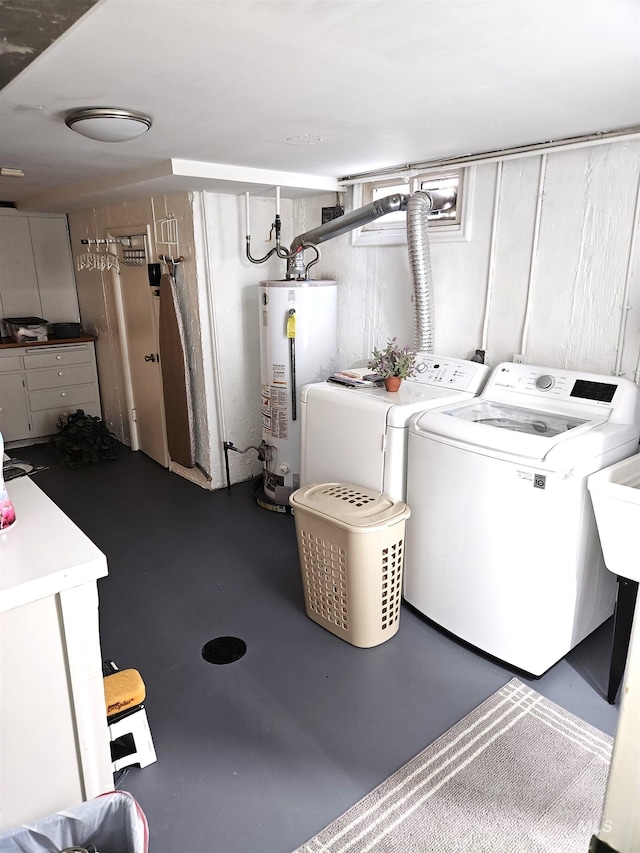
{"x": 392, "y": 383}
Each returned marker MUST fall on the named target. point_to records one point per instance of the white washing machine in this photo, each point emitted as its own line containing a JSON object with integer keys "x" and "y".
{"x": 506, "y": 555}
{"x": 359, "y": 435}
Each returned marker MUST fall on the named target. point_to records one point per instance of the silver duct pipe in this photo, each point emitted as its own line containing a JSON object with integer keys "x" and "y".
{"x": 419, "y": 205}
{"x": 295, "y": 263}
{"x": 349, "y": 221}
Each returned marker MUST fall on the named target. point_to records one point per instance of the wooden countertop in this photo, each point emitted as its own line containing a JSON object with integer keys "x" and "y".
{"x": 8, "y": 343}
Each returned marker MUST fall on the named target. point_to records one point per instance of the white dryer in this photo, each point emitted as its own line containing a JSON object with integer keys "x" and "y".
{"x": 358, "y": 435}
{"x": 506, "y": 554}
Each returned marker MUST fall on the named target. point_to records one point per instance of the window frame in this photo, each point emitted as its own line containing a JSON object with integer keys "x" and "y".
{"x": 380, "y": 233}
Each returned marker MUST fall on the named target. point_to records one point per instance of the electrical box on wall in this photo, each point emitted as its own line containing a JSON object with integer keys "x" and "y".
{"x": 329, "y": 213}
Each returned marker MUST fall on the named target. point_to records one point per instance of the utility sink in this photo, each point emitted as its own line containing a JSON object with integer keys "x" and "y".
{"x": 615, "y": 494}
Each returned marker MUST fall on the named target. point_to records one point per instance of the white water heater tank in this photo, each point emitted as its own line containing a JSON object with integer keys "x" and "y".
{"x": 298, "y": 345}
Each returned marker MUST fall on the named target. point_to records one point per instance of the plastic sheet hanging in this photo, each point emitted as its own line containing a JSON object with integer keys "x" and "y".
{"x": 111, "y": 822}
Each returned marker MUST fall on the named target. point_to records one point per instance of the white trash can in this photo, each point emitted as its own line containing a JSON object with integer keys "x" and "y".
{"x": 351, "y": 546}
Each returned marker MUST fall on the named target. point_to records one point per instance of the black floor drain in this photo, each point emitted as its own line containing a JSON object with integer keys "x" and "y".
{"x": 224, "y": 650}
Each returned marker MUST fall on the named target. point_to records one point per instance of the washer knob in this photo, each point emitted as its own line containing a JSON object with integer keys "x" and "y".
{"x": 545, "y": 382}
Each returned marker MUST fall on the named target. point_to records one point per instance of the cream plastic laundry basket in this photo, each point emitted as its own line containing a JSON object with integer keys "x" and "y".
{"x": 351, "y": 547}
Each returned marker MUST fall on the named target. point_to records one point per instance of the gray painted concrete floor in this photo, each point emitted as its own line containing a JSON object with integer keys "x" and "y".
{"x": 257, "y": 756}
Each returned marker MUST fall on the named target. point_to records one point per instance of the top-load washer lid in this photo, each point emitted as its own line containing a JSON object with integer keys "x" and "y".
{"x": 517, "y": 419}
{"x": 512, "y": 430}
{"x": 559, "y": 416}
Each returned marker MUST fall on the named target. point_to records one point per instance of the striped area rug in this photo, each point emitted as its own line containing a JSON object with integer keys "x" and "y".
{"x": 517, "y": 775}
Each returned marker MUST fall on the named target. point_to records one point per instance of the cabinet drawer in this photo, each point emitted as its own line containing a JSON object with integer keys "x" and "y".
{"x": 55, "y": 356}
{"x": 72, "y": 398}
{"x": 38, "y": 380}
{"x": 46, "y": 423}
{"x": 10, "y": 364}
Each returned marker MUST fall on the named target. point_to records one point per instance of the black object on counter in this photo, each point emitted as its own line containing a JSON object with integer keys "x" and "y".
{"x": 67, "y": 330}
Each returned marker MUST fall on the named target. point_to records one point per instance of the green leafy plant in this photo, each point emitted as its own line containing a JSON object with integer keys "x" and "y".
{"x": 393, "y": 360}
{"x": 83, "y": 440}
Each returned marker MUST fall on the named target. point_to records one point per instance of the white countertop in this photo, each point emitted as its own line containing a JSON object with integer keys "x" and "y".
{"x": 44, "y": 552}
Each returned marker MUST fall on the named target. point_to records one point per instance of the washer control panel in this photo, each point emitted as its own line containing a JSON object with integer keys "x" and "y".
{"x": 570, "y": 387}
{"x": 545, "y": 382}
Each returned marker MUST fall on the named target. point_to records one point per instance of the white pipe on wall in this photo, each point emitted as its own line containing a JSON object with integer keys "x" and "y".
{"x": 124, "y": 352}
{"x": 213, "y": 327}
{"x": 534, "y": 150}
{"x": 492, "y": 255}
{"x": 534, "y": 253}
{"x": 627, "y": 285}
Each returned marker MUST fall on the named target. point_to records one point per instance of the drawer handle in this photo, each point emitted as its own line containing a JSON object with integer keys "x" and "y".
{"x": 61, "y": 373}
{"x": 63, "y": 393}
{"x": 59, "y": 357}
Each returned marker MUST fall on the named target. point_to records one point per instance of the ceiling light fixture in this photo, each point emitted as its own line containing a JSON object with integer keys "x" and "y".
{"x": 106, "y": 124}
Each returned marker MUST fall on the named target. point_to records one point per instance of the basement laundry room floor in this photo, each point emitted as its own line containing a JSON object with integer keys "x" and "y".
{"x": 258, "y": 755}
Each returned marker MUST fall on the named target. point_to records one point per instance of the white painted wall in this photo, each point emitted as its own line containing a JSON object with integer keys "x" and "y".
{"x": 234, "y": 321}
{"x": 577, "y": 269}
{"x": 575, "y": 275}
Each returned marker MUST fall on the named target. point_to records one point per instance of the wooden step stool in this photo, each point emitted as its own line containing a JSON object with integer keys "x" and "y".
{"x": 131, "y": 741}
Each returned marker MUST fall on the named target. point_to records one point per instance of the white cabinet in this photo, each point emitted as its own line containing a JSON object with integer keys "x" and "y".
{"x": 36, "y": 274}
{"x": 39, "y": 383}
{"x": 14, "y": 412}
{"x": 54, "y": 739}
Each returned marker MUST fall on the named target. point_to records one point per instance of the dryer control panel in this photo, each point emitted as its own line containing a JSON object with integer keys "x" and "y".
{"x": 455, "y": 373}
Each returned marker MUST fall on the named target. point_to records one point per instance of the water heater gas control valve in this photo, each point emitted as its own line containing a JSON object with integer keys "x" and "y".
{"x": 545, "y": 382}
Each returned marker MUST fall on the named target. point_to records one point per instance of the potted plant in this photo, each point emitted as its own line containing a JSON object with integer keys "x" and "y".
{"x": 83, "y": 440}
{"x": 393, "y": 364}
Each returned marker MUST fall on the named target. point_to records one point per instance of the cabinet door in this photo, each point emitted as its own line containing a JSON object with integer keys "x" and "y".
{"x": 54, "y": 268}
{"x": 14, "y": 415}
{"x": 46, "y": 422}
{"x": 19, "y": 295}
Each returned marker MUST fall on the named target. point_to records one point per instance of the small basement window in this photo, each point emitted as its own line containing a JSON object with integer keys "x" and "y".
{"x": 391, "y": 229}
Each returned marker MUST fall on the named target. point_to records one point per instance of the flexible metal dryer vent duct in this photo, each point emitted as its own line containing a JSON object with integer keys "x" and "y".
{"x": 417, "y": 206}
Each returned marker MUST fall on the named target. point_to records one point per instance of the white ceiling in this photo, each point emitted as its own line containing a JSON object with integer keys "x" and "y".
{"x": 381, "y": 82}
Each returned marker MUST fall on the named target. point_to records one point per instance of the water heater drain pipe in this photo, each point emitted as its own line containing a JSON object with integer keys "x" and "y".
{"x": 264, "y": 451}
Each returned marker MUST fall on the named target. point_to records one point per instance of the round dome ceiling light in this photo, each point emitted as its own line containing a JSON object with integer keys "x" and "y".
{"x": 106, "y": 124}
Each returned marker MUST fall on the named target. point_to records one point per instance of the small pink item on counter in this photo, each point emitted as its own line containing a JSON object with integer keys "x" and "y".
{"x": 7, "y": 512}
